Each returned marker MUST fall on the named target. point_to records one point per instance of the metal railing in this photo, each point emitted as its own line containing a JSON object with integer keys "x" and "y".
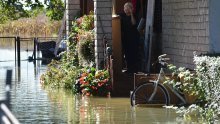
{"x": 17, "y": 44}
{"x": 6, "y": 116}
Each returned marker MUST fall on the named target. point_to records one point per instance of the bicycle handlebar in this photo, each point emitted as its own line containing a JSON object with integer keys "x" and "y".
{"x": 165, "y": 59}
{"x": 162, "y": 60}
{"x": 161, "y": 56}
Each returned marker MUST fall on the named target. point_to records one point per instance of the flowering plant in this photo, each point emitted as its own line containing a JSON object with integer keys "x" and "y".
{"x": 83, "y": 35}
{"x": 204, "y": 84}
{"x": 93, "y": 82}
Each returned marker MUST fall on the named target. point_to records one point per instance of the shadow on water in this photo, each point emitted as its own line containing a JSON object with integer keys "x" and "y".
{"x": 33, "y": 104}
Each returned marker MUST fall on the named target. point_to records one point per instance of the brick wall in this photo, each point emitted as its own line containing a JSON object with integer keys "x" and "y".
{"x": 103, "y": 26}
{"x": 72, "y": 9}
{"x": 185, "y": 29}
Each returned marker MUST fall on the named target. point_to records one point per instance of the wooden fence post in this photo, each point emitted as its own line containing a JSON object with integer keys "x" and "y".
{"x": 15, "y": 50}
{"x": 18, "y": 51}
{"x": 8, "y": 87}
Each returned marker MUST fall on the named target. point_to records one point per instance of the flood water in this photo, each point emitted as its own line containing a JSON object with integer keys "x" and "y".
{"x": 31, "y": 104}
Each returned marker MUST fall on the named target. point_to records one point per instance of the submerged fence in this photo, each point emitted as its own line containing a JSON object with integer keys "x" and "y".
{"x": 6, "y": 116}
{"x": 17, "y": 46}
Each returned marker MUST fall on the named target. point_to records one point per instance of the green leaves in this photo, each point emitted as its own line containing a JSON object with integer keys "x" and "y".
{"x": 205, "y": 84}
{"x": 55, "y": 9}
{"x": 94, "y": 82}
{"x": 15, "y": 9}
{"x": 69, "y": 72}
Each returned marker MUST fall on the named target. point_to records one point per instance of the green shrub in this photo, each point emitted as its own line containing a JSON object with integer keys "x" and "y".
{"x": 58, "y": 76}
{"x": 85, "y": 46}
{"x": 204, "y": 82}
{"x": 73, "y": 71}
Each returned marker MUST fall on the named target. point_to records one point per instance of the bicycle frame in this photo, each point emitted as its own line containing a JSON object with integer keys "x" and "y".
{"x": 156, "y": 83}
{"x": 158, "y": 80}
{"x": 159, "y": 92}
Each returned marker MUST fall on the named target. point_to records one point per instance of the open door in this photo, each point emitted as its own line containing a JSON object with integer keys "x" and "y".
{"x": 149, "y": 33}
{"x": 86, "y": 6}
{"x": 153, "y": 32}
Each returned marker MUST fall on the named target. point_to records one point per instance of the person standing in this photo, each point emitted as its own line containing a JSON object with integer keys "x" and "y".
{"x": 130, "y": 37}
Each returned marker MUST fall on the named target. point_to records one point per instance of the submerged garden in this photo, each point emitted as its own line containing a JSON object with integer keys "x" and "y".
{"x": 76, "y": 70}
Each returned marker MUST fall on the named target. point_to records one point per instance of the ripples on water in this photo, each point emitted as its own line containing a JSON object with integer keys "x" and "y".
{"x": 32, "y": 104}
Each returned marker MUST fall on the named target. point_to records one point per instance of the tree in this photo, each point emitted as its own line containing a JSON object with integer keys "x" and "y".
{"x": 55, "y": 9}
{"x": 15, "y": 9}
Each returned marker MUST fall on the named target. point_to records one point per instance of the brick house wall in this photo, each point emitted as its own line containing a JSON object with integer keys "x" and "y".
{"x": 103, "y": 27}
{"x": 72, "y": 10}
{"x": 185, "y": 28}
{"x": 103, "y": 23}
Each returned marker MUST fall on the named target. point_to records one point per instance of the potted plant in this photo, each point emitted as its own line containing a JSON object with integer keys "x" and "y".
{"x": 93, "y": 82}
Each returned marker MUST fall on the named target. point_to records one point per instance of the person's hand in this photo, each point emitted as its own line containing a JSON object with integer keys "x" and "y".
{"x": 130, "y": 10}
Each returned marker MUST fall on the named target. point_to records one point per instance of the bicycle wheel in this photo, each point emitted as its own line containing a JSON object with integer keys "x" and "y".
{"x": 143, "y": 92}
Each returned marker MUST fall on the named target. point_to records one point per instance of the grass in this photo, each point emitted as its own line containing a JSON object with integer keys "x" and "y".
{"x": 39, "y": 26}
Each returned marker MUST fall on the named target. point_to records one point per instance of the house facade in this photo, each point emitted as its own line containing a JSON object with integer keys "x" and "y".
{"x": 185, "y": 29}
{"x": 186, "y": 26}
{"x": 103, "y": 23}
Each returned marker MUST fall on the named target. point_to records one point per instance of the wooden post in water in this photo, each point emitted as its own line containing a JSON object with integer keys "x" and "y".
{"x": 18, "y": 51}
{"x": 15, "y": 50}
{"x": 34, "y": 53}
{"x": 37, "y": 47}
{"x": 8, "y": 87}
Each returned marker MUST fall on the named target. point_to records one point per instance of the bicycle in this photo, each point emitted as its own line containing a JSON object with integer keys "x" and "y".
{"x": 154, "y": 91}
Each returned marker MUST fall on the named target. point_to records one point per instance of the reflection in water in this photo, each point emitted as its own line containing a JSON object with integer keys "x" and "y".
{"x": 18, "y": 74}
{"x": 107, "y": 110}
{"x": 32, "y": 104}
{"x": 9, "y": 43}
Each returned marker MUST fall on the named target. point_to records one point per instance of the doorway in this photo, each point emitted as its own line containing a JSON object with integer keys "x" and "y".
{"x": 86, "y": 6}
{"x": 148, "y": 52}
